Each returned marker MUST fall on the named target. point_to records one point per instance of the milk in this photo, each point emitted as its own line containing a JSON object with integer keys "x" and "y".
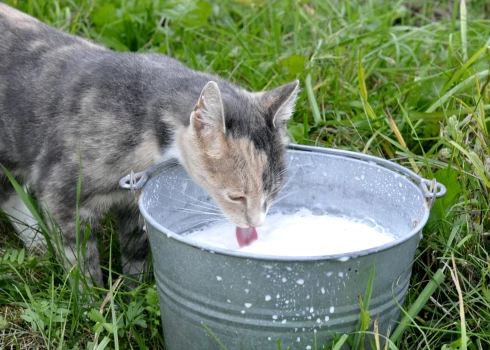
{"x": 299, "y": 234}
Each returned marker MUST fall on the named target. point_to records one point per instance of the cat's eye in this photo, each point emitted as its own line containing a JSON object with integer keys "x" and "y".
{"x": 235, "y": 198}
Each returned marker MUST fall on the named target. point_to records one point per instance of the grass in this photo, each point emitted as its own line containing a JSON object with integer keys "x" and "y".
{"x": 403, "y": 80}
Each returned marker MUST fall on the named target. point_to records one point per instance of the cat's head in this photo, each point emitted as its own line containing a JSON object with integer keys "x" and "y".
{"x": 236, "y": 148}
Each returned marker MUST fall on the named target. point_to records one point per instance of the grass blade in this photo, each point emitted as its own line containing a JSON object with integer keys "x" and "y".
{"x": 476, "y": 162}
{"x": 454, "y": 275}
{"x": 311, "y": 98}
{"x": 462, "y": 69}
{"x": 213, "y": 335}
{"x": 399, "y": 137}
{"x": 341, "y": 342}
{"x": 461, "y": 86}
{"x": 439, "y": 115}
{"x": 363, "y": 92}
{"x": 464, "y": 29}
{"x": 103, "y": 344}
{"x": 362, "y": 79}
{"x": 364, "y": 317}
{"x": 419, "y": 303}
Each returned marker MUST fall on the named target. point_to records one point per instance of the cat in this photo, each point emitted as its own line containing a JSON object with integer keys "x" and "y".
{"x": 69, "y": 107}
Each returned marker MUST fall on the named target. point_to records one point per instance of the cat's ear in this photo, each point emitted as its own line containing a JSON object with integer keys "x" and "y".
{"x": 208, "y": 113}
{"x": 280, "y": 102}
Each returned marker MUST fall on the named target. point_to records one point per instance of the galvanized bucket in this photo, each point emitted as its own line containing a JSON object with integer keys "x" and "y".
{"x": 248, "y": 301}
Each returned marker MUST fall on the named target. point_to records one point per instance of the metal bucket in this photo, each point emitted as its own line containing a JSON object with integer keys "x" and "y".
{"x": 249, "y": 301}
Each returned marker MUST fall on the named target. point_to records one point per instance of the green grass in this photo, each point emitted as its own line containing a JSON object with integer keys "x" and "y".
{"x": 403, "y": 80}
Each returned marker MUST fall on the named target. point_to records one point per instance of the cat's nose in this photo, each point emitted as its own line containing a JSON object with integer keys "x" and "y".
{"x": 257, "y": 221}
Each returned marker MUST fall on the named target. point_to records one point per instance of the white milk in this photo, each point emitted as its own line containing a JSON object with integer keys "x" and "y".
{"x": 299, "y": 234}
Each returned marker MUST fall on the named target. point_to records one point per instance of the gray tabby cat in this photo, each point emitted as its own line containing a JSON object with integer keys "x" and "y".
{"x": 62, "y": 97}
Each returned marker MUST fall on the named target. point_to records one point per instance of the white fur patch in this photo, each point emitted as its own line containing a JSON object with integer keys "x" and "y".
{"x": 24, "y": 224}
{"x": 173, "y": 152}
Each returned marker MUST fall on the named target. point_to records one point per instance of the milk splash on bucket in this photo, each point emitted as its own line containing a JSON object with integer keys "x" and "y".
{"x": 300, "y": 234}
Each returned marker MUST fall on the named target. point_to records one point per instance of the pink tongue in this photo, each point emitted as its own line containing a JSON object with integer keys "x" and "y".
{"x": 245, "y": 236}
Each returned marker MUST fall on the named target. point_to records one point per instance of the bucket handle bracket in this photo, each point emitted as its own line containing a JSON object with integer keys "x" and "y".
{"x": 432, "y": 188}
{"x": 135, "y": 181}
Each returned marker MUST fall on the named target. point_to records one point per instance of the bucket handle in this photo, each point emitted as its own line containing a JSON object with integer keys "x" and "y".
{"x": 431, "y": 188}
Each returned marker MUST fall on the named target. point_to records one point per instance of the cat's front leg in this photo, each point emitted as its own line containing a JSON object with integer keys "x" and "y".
{"x": 134, "y": 242}
{"x": 70, "y": 248}
{"x": 88, "y": 255}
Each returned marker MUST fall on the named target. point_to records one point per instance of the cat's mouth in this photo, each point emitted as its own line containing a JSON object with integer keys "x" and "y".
{"x": 245, "y": 236}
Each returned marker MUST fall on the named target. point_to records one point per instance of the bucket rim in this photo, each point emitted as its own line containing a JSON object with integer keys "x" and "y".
{"x": 396, "y": 168}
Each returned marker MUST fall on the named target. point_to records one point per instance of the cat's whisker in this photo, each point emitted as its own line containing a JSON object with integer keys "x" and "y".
{"x": 202, "y": 223}
{"x": 206, "y": 220}
{"x": 205, "y": 204}
{"x": 189, "y": 210}
{"x": 279, "y": 174}
{"x": 278, "y": 190}
{"x": 292, "y": 176}
{"x": 214, "y": 210}
{"x": 289, "y": 168}
{"x": 196, "y": 207}
{"x": 277, "y": 200}
{"x": 189, "y": 203}
{"x": 193, "y": 209}
{"x": 198, "y": 212}
{"x": 286, "y": 184}
{"x": 197, "y": 224}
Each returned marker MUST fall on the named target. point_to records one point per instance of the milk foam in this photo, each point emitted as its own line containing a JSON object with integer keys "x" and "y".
{"x": 299, "y": 234}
